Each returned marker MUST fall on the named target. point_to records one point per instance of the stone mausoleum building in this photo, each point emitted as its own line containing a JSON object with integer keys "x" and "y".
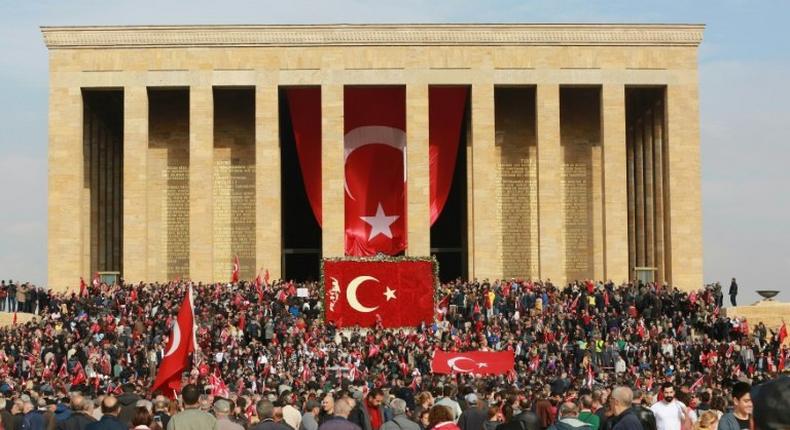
{"x": 171, "y": 149}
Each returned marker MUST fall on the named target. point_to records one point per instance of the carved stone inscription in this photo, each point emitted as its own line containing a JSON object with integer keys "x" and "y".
{"x": 578, "y": 209}
{"x": 234, "y": 215}
{"x": 176, "y": 218}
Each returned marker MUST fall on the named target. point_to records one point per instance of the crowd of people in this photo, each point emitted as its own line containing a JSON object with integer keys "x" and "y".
{"x": 581, "y": 350}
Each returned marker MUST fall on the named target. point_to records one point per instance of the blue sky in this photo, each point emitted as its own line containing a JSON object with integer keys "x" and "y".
{"x": 744, "y": 91}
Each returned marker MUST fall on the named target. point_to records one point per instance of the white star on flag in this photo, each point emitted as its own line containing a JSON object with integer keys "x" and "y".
{"x": 380, "y": 223}
{"x": 482, "y": 365}
{"x": 390, "y": 294}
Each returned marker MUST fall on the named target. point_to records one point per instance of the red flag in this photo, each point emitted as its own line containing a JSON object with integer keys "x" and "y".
{"x": 400, "y": 292}
{"x": 291, "y": 289}
{"x": 266, "y": 277}
{"x": 258, "y": 287}
{"x": 83, "y": 287}
{"x": 697, "y": 384}
{"x": 14, "y": 318}
{"x": 234, "y": 275}
{"x": 79, "y": 375}
{"x": 374, "y": 148}
{"x": 63, "y": 372}
{"x": 782, "y": 333}
{"x": 218, "y": 386}
{"x": 96, "y": 280}
{"x": 179, "y": 346}
{"x": 476, "y": 362}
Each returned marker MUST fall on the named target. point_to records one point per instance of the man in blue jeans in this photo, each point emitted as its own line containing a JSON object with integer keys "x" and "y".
{"x": 11, "y": 296}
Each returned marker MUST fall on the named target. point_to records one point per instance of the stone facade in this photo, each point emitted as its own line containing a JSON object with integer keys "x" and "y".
{"x": 547, "y": 166}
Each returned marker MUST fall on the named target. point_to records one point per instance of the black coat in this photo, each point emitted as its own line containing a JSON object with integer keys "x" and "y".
{"x": 626, "y": 421}
{"x": 526, "y": 420}
{"x": 75, "y": 421}
{"x": 646, "y": 417}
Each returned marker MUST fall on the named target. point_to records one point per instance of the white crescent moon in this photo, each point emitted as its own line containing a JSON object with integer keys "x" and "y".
{"x": 369, "y": 135}
{"x": 451, "y": 362}
{"x": 176, "y": 339}
{"x": 351, "y": 293}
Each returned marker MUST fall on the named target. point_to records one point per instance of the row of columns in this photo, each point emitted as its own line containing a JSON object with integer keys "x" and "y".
{"x": 485, "y": 248}
{"x": 647, "y": 175}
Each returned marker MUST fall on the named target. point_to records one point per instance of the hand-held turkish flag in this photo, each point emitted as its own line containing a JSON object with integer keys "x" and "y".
{"x": 475, "y": 362}
{"x": 399, "y": 293}
{"x": 96, "y": 280}
{"x": 375, "y": 171}
{"x": 258, "y": 287}
{"x": 234, "y": 275}
{"x": 83, "y": 287}
{"x": 179, "y": 346}
{"x": 79, "y": 375}
{"x": 782, "y": 333}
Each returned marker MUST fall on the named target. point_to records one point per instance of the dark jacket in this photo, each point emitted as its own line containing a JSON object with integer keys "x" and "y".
{"x": 76, "y": 421}
{"x": 360, "y": 416}
{"x": 164, "y": 418}
{"x": 128, "y": 403}
{"x": 268, "y": 424}
{"x": 526, "y": 420}
{"x": 646, "y": 417}
{"x": 335, "y": 423}
{"x": 627, "y": 420}
{"x": 107, "y": 422}
{"x": 472, "y": 419}
{"x": 34, "y": 420}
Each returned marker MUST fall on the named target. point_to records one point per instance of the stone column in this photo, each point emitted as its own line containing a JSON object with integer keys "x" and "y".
{"x": 550, "y": 211}
{"x": 66, "y": 178}
{"x": 135, "y": 184}
{"x": 639, "y": 195}
{"x": 649, "y": 218}
{"x": 487, "y": 238}
{"x": 631, "y": 201}
{"x": 333, "y": 213}
{"x": 685, "y": 203}
{"x": 615, "y": 195}
{"x": 658, "y": 173}
{"x": 268, "y": 218}
{"x": 418, "y": 203}
{"x": 201, "y": 183}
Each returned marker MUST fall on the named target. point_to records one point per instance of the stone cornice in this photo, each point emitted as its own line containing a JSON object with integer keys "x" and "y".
{"x": 112, "y": 37}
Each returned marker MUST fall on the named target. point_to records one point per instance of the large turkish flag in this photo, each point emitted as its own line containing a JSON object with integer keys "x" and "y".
{"x": 398, "y": 293}
{"x": 179, "y": 346}
{"x": 374, "y": 148}
{"x": 475, "y": 362}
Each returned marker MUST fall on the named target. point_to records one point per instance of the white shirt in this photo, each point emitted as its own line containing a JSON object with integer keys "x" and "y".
{"x": 668, "y": 415}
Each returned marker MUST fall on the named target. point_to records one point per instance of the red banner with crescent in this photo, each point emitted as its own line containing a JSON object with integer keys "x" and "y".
{"x": 392, "y": 293}
{"x": 374, "y": 154}
{"x": 375, "y": 142}
{"x": 475, "y": 362}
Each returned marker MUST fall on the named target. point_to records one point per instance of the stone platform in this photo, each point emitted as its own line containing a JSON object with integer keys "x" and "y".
{"x": 769, "y": 312}
{"x": 7, "y": 318}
